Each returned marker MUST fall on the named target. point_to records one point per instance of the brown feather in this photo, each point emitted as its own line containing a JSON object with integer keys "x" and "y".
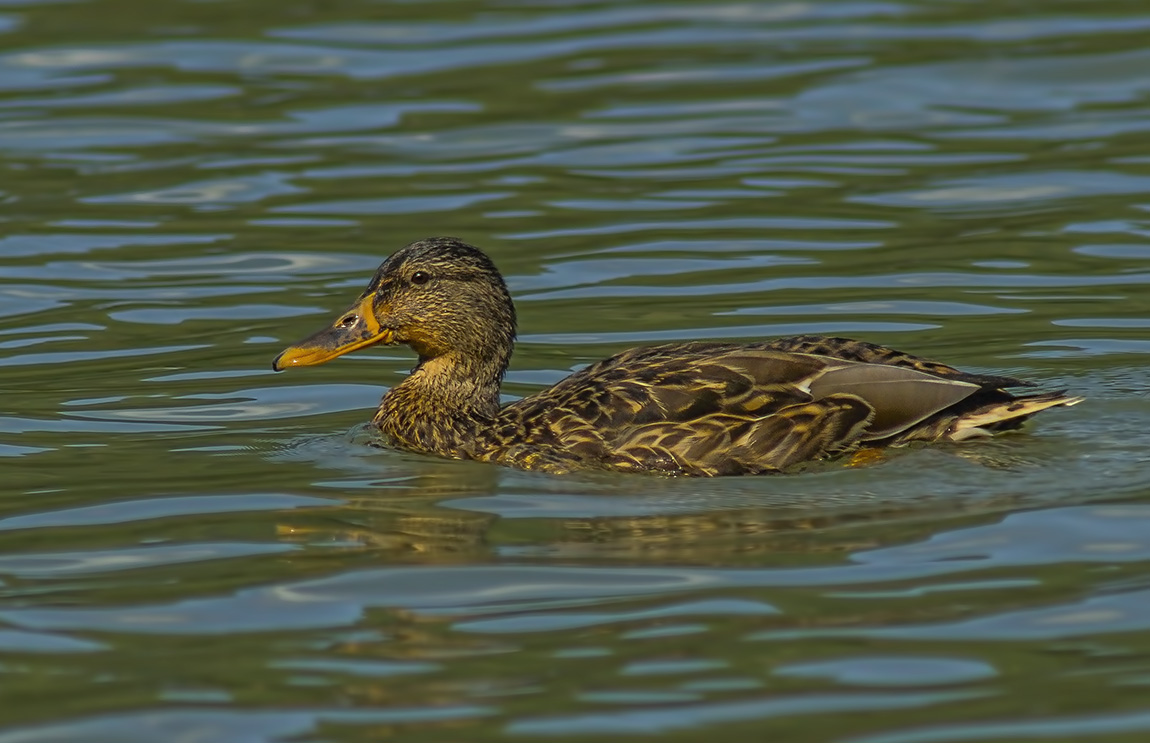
{"x": 697, "y": 408}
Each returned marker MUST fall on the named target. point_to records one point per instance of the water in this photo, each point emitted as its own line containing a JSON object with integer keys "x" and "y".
{"x": 195, "y": 548}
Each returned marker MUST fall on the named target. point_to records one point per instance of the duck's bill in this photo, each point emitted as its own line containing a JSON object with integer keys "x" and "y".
{"x": 354, "y": 329}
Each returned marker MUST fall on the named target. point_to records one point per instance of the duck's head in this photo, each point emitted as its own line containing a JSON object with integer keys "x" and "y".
{"x": 441, "y": 296}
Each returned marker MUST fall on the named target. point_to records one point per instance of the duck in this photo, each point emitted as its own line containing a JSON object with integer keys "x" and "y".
{"x": 697, "y": 408}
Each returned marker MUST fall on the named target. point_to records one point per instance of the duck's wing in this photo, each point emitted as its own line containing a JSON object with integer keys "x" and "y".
{"x": 703, "y": 408}
{"x": 988, "y": 410}
{"x": 849, "y": 349}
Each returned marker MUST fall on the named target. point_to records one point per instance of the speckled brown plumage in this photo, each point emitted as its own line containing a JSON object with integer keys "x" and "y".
{"x": 695, "y": 408}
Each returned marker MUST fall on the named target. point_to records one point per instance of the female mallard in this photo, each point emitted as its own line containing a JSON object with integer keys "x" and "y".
{"x": 698, "y": 408}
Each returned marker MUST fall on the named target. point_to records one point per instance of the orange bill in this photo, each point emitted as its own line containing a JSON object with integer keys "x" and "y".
{"x": 354, "y": 329}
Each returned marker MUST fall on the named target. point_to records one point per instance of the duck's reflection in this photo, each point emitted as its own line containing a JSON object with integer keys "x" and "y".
{"x": 433, "y": 511}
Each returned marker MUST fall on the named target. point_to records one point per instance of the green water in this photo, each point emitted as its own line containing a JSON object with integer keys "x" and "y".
{"x": 195, "y": 548}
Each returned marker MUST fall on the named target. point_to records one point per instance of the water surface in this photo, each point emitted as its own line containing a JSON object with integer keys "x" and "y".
{"x": 196, "y": 548}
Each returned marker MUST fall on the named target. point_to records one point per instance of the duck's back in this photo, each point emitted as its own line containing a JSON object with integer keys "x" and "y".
{"x": 721, "y": 408}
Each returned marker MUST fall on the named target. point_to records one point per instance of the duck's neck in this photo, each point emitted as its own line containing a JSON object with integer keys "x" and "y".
{"x": 445, "y": 404}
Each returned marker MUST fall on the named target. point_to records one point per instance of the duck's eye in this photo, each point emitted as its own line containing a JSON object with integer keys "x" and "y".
{"x": 419, "y": 278}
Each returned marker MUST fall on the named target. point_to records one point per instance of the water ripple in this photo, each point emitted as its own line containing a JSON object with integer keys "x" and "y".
{"x": 187, "y": 190}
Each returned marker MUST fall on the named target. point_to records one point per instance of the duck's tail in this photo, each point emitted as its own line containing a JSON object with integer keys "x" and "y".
{"x": 1005, "y": 415}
